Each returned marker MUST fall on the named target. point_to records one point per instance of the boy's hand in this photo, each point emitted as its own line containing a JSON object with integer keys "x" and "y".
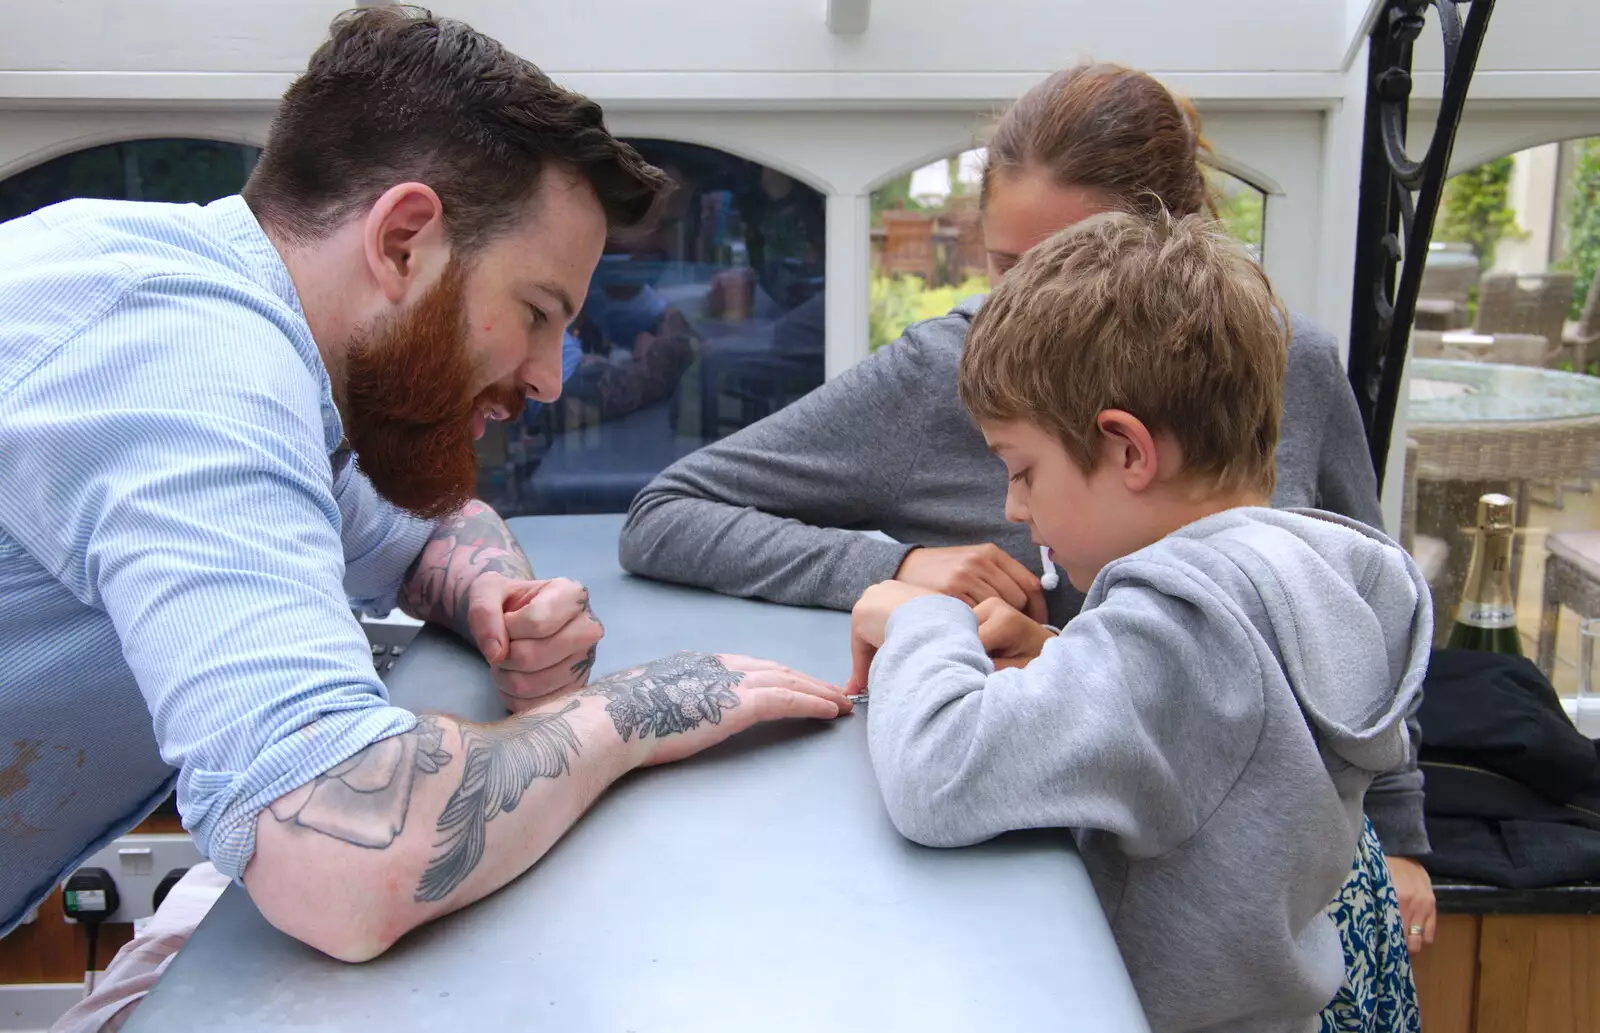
{"x": 1011, "y": 638}
{"x": 867, "y": 621}
{"x": 973, "y": 573}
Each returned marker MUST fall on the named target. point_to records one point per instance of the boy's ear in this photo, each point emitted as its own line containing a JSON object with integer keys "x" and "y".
{"x": 1128, "y": 447}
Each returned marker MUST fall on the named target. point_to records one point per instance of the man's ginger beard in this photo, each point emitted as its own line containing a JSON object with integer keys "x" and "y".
{"x": 409, "y": 403}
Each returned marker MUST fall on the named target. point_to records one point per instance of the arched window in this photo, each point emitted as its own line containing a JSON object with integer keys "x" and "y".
{"x": 178, "y": 169}
{"x": 709, "y": 323}
{"x": 706, "y": 325}
{"x": 927, "y": 239}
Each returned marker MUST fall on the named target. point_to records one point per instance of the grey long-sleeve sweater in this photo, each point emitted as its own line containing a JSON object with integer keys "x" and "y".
{"x": 1206, "y": 727}
{"x": 773, "y": 512}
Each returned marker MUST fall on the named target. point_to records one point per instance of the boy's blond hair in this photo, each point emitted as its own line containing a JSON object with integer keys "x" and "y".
{"x": 1168, "y": 319}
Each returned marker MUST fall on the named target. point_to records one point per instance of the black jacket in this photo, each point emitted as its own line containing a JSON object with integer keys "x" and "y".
{"x": 1513, "y": 790}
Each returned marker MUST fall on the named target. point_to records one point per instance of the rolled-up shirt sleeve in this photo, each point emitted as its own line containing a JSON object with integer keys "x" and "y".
{"x": 172, "y": 467}
{"x": 381, "y": 541}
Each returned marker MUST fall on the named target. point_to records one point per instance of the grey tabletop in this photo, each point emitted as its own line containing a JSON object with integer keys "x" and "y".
{"x": 756, "y": 887}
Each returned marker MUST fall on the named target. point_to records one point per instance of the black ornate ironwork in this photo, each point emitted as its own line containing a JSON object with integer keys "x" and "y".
{"x": 1401, "y": 195}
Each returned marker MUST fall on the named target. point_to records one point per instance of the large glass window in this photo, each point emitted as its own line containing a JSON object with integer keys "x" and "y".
{"x": 180, "y": 170}
{"x": 927, "y": 239}
{"x": 1503, "y": 394}
{"x": 708, "y": 324}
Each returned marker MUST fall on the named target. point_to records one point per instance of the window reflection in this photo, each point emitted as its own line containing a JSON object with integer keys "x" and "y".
{"x": 710, "y": 322}
{"x": 173, "y": 170}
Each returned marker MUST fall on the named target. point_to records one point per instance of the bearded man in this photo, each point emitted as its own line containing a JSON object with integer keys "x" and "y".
{"x": 225, "y": 428}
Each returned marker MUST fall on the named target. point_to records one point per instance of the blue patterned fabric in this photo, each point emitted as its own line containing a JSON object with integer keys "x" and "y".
{"x": 1378, "y": 995}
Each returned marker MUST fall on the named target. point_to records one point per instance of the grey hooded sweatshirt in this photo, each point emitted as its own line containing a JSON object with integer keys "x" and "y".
{"x": 889, "y": 446}
{"x": 1206, "y": 726}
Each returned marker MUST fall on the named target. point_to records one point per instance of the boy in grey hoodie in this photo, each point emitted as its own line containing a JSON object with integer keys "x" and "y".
{"x": 1210, "y": 721}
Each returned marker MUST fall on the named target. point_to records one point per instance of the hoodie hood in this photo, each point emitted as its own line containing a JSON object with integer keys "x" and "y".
{"x": 967, "y": 308}
{"x": 1346, "y": 610}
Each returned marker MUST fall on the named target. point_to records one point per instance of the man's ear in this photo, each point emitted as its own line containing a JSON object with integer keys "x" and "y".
{"x": 1128, "y": 447}
{"x": 404, "y": 240}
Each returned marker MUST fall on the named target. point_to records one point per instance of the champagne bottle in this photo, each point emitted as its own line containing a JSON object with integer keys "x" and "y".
{"x": 1487, "y": 617}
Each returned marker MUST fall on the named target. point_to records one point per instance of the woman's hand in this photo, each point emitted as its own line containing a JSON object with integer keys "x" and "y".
{"x": 973, "y": 574}
{"x": 1418, "y": 910}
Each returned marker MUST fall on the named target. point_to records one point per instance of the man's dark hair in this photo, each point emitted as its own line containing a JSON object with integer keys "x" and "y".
{"x": 396, "y": 95}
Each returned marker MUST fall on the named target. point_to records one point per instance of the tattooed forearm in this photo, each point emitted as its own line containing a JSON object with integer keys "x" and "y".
{"x": 467, "y": 544}
{"x": 364, "y": 800}
{"x": 584, "y": 667}
{"x": 673, "y": 694}
{"x": 501, "y": 762}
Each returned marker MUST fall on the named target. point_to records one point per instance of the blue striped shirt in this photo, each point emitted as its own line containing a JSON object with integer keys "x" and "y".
{"x": 182, "y": 539}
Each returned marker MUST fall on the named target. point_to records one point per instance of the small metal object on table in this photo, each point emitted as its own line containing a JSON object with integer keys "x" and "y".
{"x": 757, "y": 886}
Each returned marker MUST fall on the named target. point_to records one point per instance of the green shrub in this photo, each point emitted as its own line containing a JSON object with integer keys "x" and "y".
{"x": 1243, "y": 212}
{"x": 899, "y": 301}
{"x": 1474, "y": 210}
{"x": 1583, "y": 242}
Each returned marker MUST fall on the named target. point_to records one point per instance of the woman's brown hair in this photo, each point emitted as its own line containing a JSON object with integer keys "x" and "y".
{"x": 1110, "y": 128}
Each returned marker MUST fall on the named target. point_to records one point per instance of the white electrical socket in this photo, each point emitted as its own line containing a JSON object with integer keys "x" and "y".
{"x": 137, "y": 864}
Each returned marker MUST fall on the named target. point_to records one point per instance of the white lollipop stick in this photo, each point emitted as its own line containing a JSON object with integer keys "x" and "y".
{"x": 1051, "y": 580}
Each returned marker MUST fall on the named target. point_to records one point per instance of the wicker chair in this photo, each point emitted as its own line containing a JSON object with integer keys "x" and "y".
{"x": 1442, "y": 300}
{"x": 1582, "y": 336}
{"x": 1571, "y": 579}
{"x": 1535, "y": 304}
{"x": 1429, "y": 552}
{"x": 1515, "y": 450}
{"x": 1509, "y": 303}
{"x": 1506, "y": 348}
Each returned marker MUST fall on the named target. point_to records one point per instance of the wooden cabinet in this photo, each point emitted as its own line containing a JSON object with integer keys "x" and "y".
{"x": 1447, "y": 976}
{"x": 1539, "y": 973}
{"x": 1512, "y": 974}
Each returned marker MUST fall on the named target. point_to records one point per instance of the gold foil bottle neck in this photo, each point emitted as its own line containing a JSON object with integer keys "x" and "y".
{"x": 1496, "y": 512}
